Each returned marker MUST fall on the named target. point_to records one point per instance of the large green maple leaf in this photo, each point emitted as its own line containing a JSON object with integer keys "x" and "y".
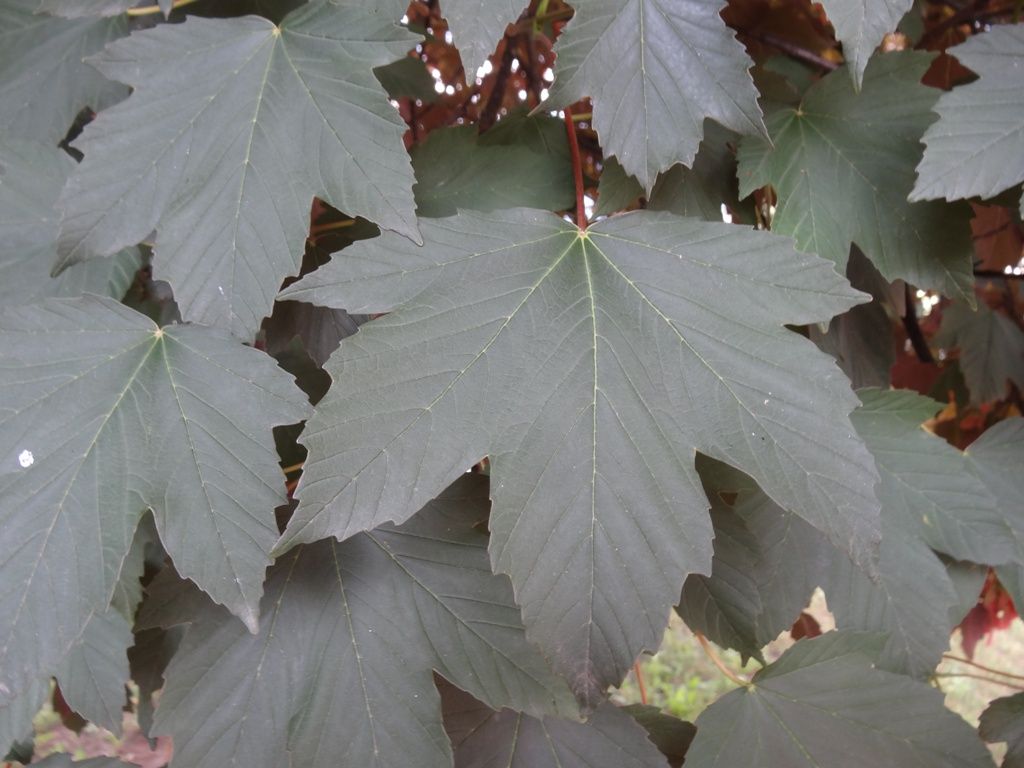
{"x": 976, "y": 148}
{"x": 105, "y": 415}
{"x": 233, "y": 126}
{"x": 825, "y": 703}
{"x": 33, "y": 176}
{"x": 655, "y": 69}
{"x": 843, "y": 162}
{"x": 341, "y": 672}
{"x": 590, "y": 366}
{"x": 991, "y": 349}
{"x": 43, "y": 81}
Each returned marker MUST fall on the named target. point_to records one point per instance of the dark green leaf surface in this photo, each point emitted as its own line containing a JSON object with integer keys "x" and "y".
{"x": 234, "y": 125}
{"x": 33, "y": 175}
{"x": 93, "y": 675}
{"x": 699, "y": 191}
{"x": 861, "y": 339}
{"x": 991, "y": 349}
{"x": 823, "y": 703}
{"x": 996, "y": 459}
{"x": 860, "y": 26}
{"x": 671, "y": 735}
{"x": 477, "y": 26}
{"x": 976, "y": 148}
{"x": 484, "y": 738}
{"x": 458, "y": 168}
{"x": 928, "y": 488}
{"x": 912, "y": 601}
{"x": 655, "y": 70}
{"x": 767, "y": 564}
{"x": 589, "y": 367}
{"x": 344, "y": 657}
{"x": 106, "y": 415}
{"x": 843, "y": 162}
{"x": 1004, "y": 721}
{"x": 17, "y": 711}
{"x": 75, "y": 9}
{"x": 44, "y": 81}
{"x": 148, "y": 659}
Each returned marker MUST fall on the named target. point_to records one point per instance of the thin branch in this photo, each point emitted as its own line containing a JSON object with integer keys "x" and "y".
{"x": 489, "y": 114}
{"x": 577, "y": 169}
{"x": 972, "y": 663}
{"x": 793, "y": 50}
{"x": 1012, "y": 686}
{"x": 917, "y": 340}
{"x": 995, "y": 273}
{"x": 149, "y": 10}
{"x": 718, "y": 662}
{"x": 292, "y": 468}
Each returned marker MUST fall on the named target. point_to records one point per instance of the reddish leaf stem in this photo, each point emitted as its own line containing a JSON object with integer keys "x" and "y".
{"x": 718, "y": 662}
{"x": 640, "y": 682}
{"x": 577, "y": 169}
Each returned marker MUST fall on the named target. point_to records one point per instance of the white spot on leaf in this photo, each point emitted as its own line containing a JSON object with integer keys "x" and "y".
{"x": 26, "y": 459}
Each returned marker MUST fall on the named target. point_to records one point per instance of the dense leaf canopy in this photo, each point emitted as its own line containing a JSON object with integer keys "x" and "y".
{"x": 376, "y": 379}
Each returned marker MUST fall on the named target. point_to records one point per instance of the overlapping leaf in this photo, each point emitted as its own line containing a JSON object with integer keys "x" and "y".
{"x": 44, "y": 81}
{"x": 477, "y": 26}
{"x": 996, "y": 458}
{"x": 75, "y": 9}
{"x": 931, "y": 497}
{"x": 589, "y": 366}
{"x": 93, "y": 675}
{"x": 1003, "y": 720}
{"x": 699, "y": 191}
{"x": 341, "y": 671}
{"x": 860, "y": 26}
{"x": 929, "y": 488}
{"x": 522, "y": 164}
{"x": 767, "y": 564}
{"x": 33, "y": 175}
{"x": 976, "y": 148}
{"x": 484, "y": 738}
{"x": 655, "y": 69}
{"x": 991, "y": 349}
{"x": 843, "y": 162}
{"x": 825, "y": 703}
{"x": 233, "y": 126}
{"x": 104, "y": 415}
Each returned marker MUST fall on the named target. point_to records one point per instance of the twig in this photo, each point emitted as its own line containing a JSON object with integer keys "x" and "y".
{"x": 718, "y": 662}
{"x": 917, "y": 340}
{"x": 577, "y": 169}
{"x": 972, "y": 663}
{"x": 292, "y": 468}
{"x": 793, "y": 50}
{"x": 149, "y": 10}
{"x": 980, "y": 677}
{"x": 489, "y": 114}
{"x": 994, "y": 273}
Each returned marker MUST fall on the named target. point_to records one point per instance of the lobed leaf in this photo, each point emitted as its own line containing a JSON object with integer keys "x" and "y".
{"x": 105, "y": 414}
{"x": 843, "y": 162}
{"x": 590, "y": 366}
{"x": 824, "y": 703}
{"x": 341, "y": 671}
{"x": 232, "y": 127}
{"x": 655, "y": 69}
